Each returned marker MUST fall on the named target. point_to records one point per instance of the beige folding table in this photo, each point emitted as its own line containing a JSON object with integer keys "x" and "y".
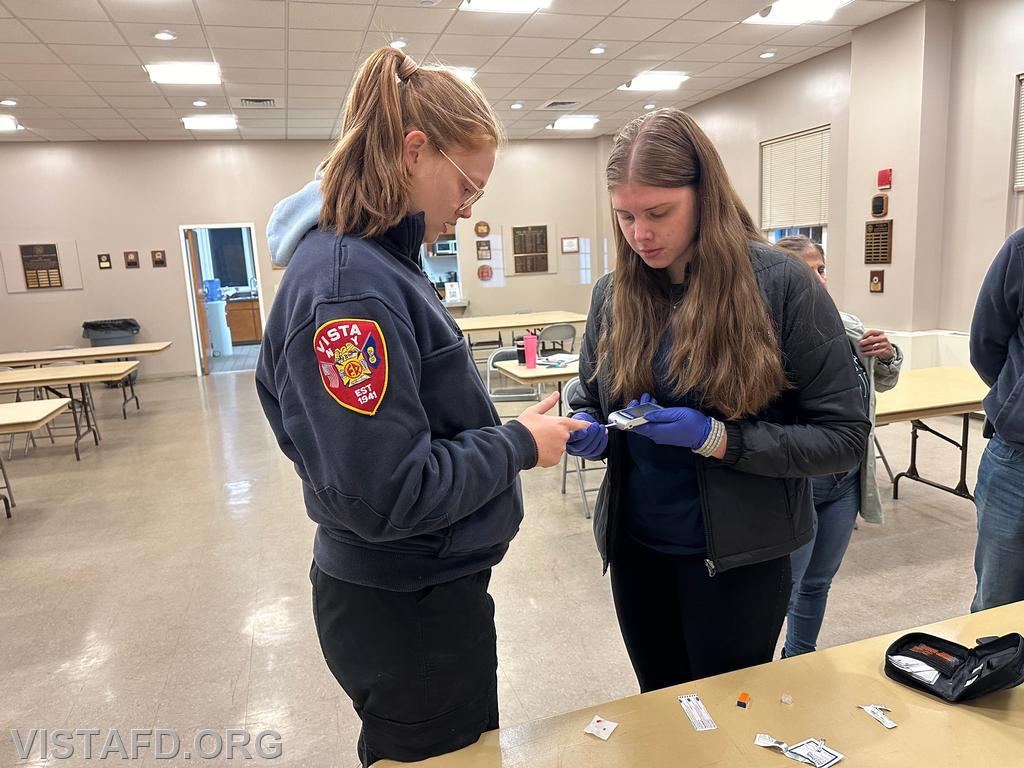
{"x": 528, "y": 320}
{"x": 25, "y": 416}
{"x": 827, "y": 687}
{"x": 62, "y": 381}
{"x": 927, "y": 392}
{"x": 542, "y": 374}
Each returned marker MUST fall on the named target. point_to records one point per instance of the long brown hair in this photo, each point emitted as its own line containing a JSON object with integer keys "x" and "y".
{"x": 365, "y": 181}
{"x": 724, "y": 348}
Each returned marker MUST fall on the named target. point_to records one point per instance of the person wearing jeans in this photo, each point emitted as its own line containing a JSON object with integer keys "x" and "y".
{"x": 838, "y": 498}
{"x": 997, "y": 354}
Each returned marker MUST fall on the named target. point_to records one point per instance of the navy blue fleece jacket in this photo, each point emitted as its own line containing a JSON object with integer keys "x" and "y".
{"x": 371, "y": 391}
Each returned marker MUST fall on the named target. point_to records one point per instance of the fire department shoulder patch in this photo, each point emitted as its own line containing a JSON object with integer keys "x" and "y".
{"x": 353, "y": 359}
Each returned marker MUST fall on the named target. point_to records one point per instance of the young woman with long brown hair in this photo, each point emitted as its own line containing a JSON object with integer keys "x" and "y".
{"x": 702, "y": 505}
{"x": 371, "y": 391}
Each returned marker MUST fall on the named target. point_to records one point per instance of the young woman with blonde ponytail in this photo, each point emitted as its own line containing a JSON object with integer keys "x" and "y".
{"x": 371, "y": 391}
{"x": 702, "y": 505}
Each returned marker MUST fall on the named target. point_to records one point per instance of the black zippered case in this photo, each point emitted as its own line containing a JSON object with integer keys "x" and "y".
{"x": 995, "y": 664}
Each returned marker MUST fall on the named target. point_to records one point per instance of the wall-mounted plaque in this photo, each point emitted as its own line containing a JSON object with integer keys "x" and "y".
{"x": 482, "y": 229}
{"x": 131, "y": 259}
{"x": 41, "y": 265}
{"x": 530, "y": 249}
{"x": 159, "y": 258}
{"x": 570, "y": 245}
{"x": 483, "y": 250}
{"x": 104, "y": 260}
{"x": 484, "y": 272}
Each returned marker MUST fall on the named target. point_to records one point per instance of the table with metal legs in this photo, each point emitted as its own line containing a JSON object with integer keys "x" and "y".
{"x": 24, "y": 418}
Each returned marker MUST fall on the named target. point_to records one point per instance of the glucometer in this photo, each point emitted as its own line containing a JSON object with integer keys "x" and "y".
{"x": 628, "y": 418}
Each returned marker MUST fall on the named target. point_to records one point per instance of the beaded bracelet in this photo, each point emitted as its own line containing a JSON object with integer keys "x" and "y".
{"x": 714, "y": 439}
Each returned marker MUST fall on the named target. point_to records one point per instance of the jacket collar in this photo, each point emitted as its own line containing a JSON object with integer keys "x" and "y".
{"x": 405, "y": 238}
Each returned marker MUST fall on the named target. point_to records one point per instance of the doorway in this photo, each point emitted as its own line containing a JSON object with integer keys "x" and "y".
{"x": 224, "y": 298}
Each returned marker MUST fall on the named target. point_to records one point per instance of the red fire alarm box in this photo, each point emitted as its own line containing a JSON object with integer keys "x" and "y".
{"x": 885, "y": 179}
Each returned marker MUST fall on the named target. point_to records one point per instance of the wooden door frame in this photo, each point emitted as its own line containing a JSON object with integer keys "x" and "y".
{"x": 193, "y": 318}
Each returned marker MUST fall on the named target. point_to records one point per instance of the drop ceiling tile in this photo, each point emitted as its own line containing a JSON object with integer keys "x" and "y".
{"x": 563, "y": 66}
{"x": 726, "y": 10}
{"x": 251, "y": 13}
{"x": 715, "y": 52}
{"x": 513, "y": 65}
{"x": 810, "y": 34}
{"x": 626, "y": 28}
{"x": 75, "y": 102}
{"x": 319, "y": 77}
{"x": 542, "y": 47}
{"x": 258, "y": 58}
{"x": 656, "y": 51}
{"x": 58, "y": 88}
{"x": 189, "y": 36}
{"x": 152, "y": 11}
{"x": 102, "y": 123}
{"x": 137, "y": 102}
{"x": 116, "y": 55}
{"x": 126, "y": 89}
{"x": 686, "y": 31}
{"x": 581, "y": 49}
{"x": 84, "y": 32}
{"x": 101, "y": 73}
{"x": 301, "y": 102}
{"x": 733, "y": 69}
{"x": 214, "y": 103}
{"x": 864, "y": 12}
{"x": 495, "y": 24}
{"x": 657, "y": 9}
{"x": 26, "y": 53}
{"x": 499, "y": 79}
{"x": 246, "y": 37}
{"x": 19, "y": 72}
{"x": 320, "y": 60}
{"x": 319, "y": 91}
{"x": 625, "y": 68}
{"x": 151, "y": 114}
{"x": 13, "y": 31}
{"x": 77, "y": 114}
{"x": 473, "y": 44}
{"x": 169, "y": 134}
{"x": 251, "y": 75}
{"x": 329, "y": 16}
{"x": 413, "y": 19}
{"x": 557, "y": 25}
{"x": 324, "y": 40}
{"x": 158, "y": 55}
{"x": 750, "y": 34}
{"x": 585, "y": 7}
{"x": 74, "y": 10}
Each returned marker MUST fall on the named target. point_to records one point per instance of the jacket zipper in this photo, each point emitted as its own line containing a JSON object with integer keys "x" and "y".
{"x": 709, "y": 562}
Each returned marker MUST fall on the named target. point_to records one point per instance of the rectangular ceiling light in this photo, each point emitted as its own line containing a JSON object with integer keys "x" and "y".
{"x": 504, "y": 6}
{"x": 575, "y": 123}
{"x": 8, "y": 124}
{"x": 793, "y": 12}
{"x": 185, "y": 73}
{"x": 210, "y": 122}
{"x": 655, "y": 81}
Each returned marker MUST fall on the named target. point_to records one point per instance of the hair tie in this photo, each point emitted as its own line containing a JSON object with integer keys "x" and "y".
{"x": 407, "y": 68}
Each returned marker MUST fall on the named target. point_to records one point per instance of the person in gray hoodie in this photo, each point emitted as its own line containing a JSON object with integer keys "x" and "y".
{"x": 997, "y": 354}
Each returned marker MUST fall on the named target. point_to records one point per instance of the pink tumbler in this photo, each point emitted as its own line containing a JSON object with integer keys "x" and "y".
{"x": 530, "y": 344}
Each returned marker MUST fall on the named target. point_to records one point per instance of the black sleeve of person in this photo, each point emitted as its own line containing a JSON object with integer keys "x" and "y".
{"x": 830, "y": 430}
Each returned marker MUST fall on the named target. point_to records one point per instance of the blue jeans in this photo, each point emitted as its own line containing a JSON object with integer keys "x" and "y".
{"x": 837, "y": 501}
{"x": 999, "y": 556}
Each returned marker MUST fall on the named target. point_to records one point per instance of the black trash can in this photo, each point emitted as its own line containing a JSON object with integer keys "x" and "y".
{"x": 108, "y": 333}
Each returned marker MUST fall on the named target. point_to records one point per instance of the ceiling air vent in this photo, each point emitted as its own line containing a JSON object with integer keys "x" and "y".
{"x": 257, "y": 103}
{"x": 559, "y": 106}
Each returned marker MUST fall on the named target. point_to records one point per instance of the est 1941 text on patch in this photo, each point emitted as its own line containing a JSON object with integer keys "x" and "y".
{"x": 353, "y": 359}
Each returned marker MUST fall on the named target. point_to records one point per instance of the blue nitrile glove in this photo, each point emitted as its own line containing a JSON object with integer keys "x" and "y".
{"x": 587, "y": 443}
{"x": 683, "y": 427}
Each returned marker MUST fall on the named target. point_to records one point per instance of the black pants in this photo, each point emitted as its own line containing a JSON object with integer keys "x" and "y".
{"x": 420, "y": 667}
{"x": 679, "y": 624}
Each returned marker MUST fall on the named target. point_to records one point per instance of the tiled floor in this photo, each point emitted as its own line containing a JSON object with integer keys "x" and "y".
{"x": 242, "y": 358}
{"x": 162, "y": 582}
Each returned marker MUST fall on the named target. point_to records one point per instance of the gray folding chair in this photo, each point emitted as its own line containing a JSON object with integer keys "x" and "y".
{"x": 503, "y": 393}
{"x": 580, "y": 465}
{"x": 555, "y": 337}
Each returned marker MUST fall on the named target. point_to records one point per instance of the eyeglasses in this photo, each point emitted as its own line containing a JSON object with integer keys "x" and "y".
{"x": 477, "y": 194}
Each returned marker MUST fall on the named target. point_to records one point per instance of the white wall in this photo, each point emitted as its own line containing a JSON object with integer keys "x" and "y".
{"x": 806, "y": 95}
{"x": 988, "y": 54}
